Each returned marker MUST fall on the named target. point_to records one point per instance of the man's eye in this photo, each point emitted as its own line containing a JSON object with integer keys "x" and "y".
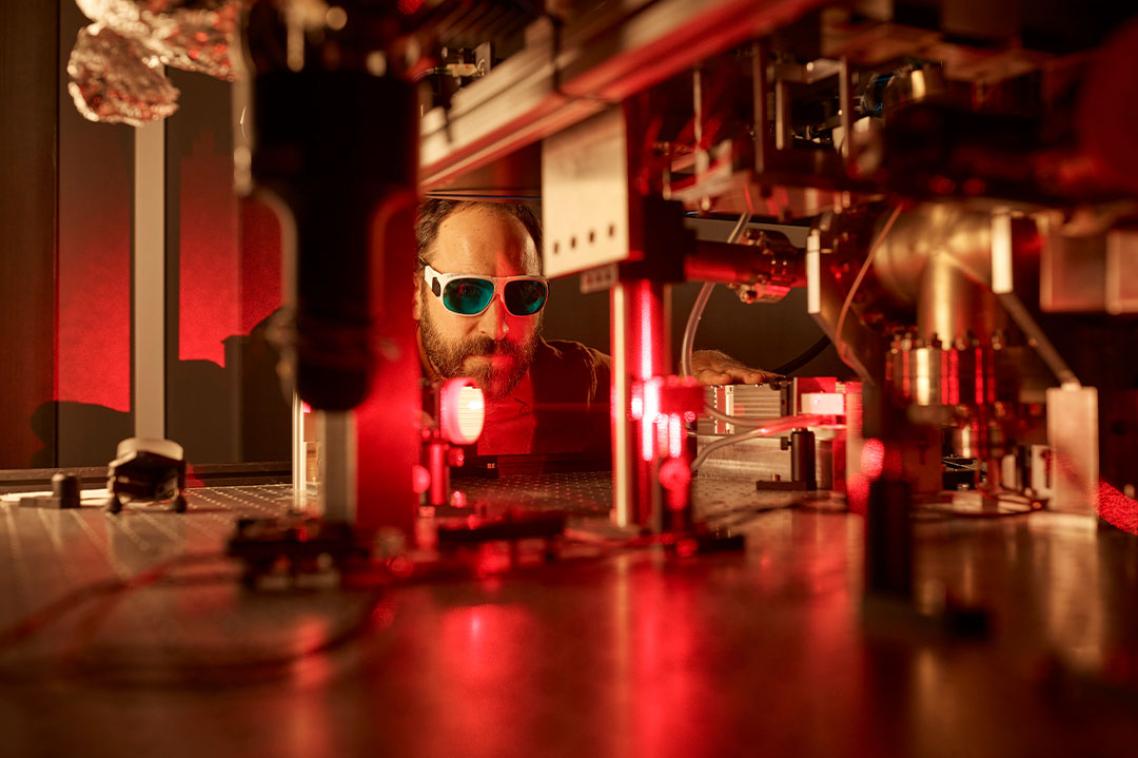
{"x": 469, "y": 296}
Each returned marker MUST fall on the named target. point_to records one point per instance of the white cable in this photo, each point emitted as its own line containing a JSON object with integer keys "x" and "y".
{"x": 769, "y": 428}
{"x": 687, "y": 347}
{"x": 839, "y": 344}
{"x": 711, "y": 447}
{"x": 688, "y": 344}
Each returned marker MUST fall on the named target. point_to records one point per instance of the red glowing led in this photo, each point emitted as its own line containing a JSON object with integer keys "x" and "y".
{"x": 675, "y": 474}
{"x": 420, "y": 479}
{"x": 686, "y": 548}
{"x": 872, "y": 458}
{"x": 675, "y": 435}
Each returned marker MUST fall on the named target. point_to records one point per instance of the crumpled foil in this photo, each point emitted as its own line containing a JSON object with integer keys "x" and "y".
{"x": 116, "y": 63}
{"x": 116, "y": 80}
{"x": 192, "y": 35}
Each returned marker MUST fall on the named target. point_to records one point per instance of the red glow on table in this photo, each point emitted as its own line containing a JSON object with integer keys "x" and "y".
{"x": 1117, "y": 509}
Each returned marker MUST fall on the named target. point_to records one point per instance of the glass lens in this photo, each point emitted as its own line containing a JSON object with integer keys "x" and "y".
{"x": 525, "y": 298}
{"x": 468, "y": 296}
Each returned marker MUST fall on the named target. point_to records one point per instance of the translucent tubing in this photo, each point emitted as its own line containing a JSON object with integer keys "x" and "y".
{"x": 688, "y": 344}
{"x": 839, "y": 343}
{"x": 768, "y": 428}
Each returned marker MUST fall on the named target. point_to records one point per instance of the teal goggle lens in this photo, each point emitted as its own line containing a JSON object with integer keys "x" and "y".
{"x": 525, "y": 298}
{"x": 469, "y": 297}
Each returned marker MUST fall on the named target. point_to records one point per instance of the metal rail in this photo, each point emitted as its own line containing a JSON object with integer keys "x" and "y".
{"x": 565, "y": 75}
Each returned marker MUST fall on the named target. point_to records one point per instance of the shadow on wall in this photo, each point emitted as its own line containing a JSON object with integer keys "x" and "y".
{"x": 103, "y": 428}
{"x": 235, "y": 414}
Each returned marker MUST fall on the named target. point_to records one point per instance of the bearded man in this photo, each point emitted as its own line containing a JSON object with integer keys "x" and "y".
{"x": 479, "y": 304}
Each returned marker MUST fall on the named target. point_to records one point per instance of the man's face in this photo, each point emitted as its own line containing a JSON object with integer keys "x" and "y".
{"x": 494, "y": 348}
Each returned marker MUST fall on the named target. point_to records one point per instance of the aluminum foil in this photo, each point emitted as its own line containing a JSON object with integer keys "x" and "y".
{"x": 116, "y": 64}
{"x": 116, "y": 80}
{"x": 192, "y": 35}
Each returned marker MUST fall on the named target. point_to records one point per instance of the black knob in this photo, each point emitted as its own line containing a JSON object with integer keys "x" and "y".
{"x": 65, "y": 488}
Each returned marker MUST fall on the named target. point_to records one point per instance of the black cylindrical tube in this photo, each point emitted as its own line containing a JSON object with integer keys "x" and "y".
{"x": 334, "y": 146}
{"x": 65, "y": 487}
{"x": 802, "y": 458}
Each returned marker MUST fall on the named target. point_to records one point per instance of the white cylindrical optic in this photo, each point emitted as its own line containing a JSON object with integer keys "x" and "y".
{"x": 462, "y": 411}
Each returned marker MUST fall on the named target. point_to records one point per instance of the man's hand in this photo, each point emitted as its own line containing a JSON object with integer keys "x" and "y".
{"x": 714, "y": 367}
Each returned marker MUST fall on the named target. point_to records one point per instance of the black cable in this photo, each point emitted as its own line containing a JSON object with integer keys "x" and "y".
{"x": 804, "y": 357}
{"x": 35, "y": 622}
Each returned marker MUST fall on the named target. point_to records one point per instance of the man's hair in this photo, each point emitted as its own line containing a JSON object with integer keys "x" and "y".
{"x": 434, "y": 211}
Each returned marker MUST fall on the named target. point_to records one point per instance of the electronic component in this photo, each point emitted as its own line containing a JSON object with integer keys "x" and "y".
{"x": 292, "y": 547}
{"x": 149, "y": 471}
{"x": 459, "y": 412}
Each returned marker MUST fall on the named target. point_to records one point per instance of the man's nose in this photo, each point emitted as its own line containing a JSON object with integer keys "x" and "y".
{"x": 495, "y": 321}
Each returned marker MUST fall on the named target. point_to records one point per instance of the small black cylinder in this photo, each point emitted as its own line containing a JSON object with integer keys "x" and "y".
{"x": 65, "y": 487}
{"x": 802, "y": 458}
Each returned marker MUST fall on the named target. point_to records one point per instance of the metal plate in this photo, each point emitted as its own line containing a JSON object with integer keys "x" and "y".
{"x": 584, "y": 187}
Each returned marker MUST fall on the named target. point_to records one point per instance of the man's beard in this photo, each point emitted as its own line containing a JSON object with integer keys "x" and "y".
{"x": 448, "y": 358}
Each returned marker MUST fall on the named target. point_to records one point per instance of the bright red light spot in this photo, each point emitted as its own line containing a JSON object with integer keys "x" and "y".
{"x": 420, "y": 479}
{"x": 686, "y": 548}
{"x": 675, "y": 435}
{"x": 1117, "y": 509}
{"x": 650, "y": 328}
{"x": 407, "y": 7}
{"x": 647, "y": 439}
{"x": 674, "y": 474}
{"x": 872, "y": 458}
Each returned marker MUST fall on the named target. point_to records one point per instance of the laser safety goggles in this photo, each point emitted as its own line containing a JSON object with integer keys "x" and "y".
{"x": 471, "y": 294}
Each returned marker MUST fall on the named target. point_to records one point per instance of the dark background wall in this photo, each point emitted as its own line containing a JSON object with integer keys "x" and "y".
{"x": 29, "y": 49}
